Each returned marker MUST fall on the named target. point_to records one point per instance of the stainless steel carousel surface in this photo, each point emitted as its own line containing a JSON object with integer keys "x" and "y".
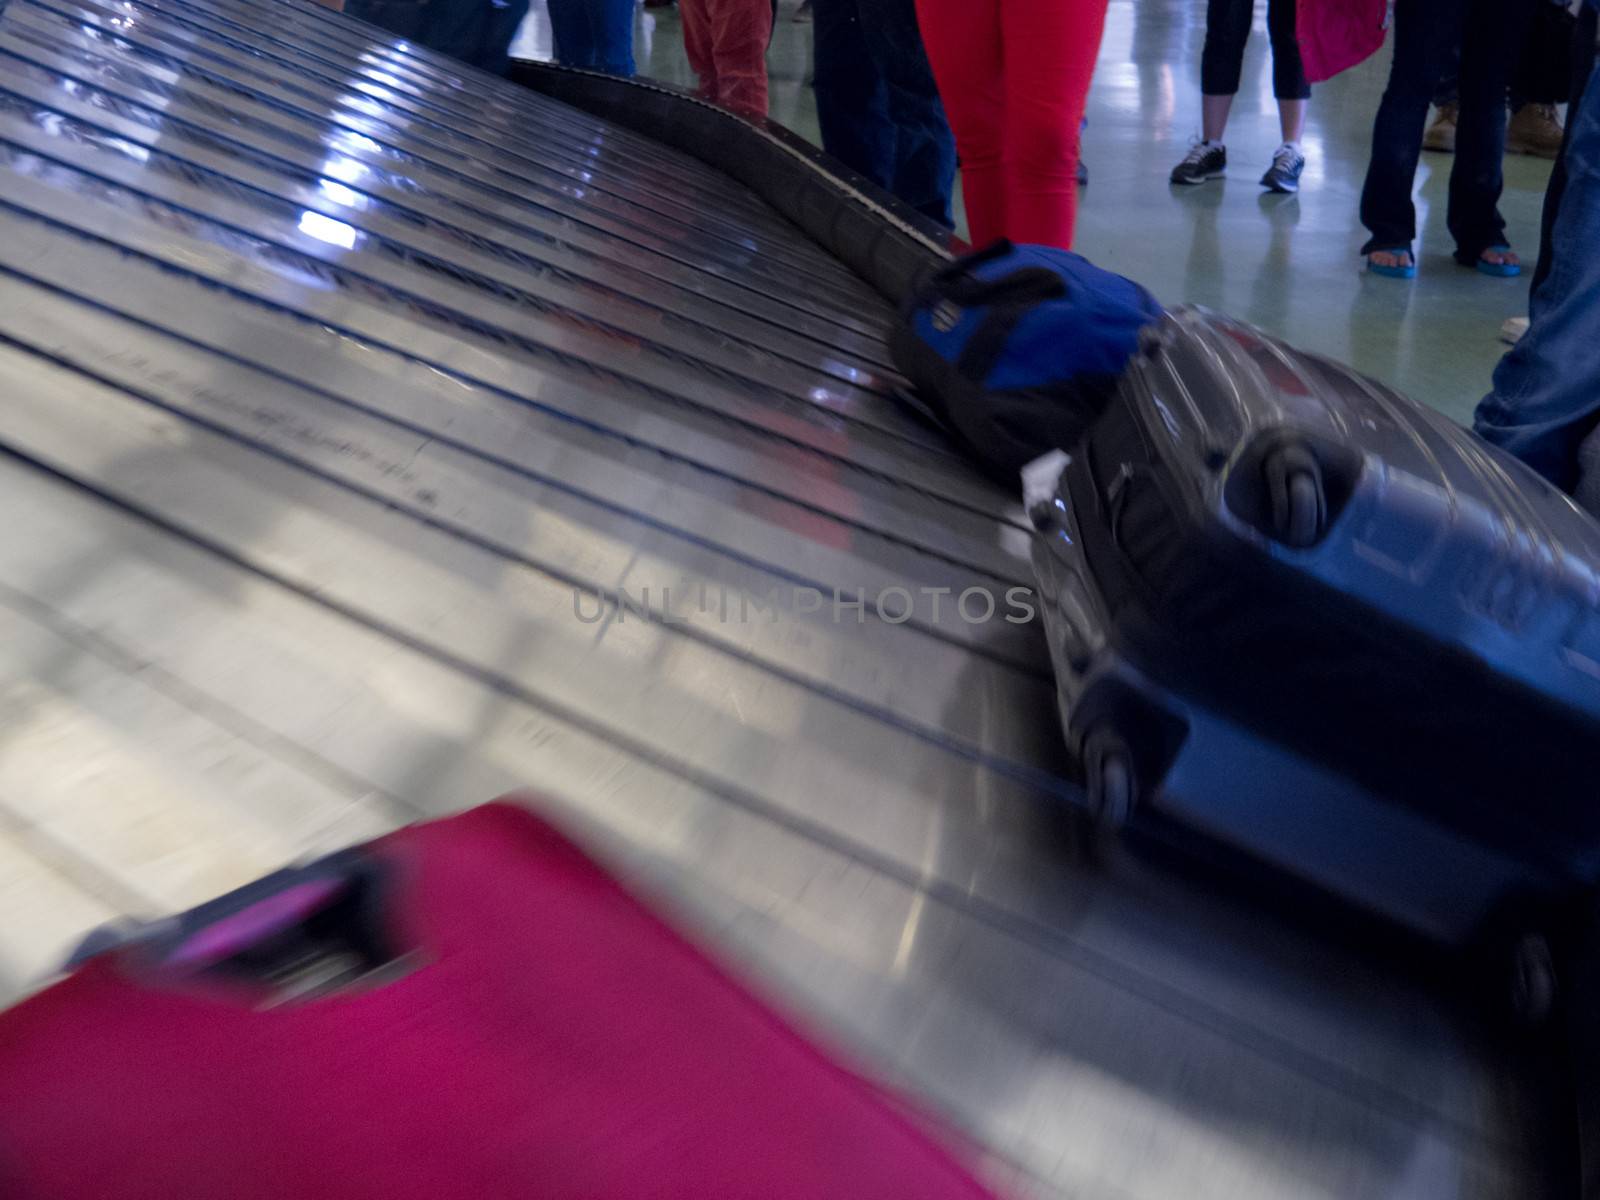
{"x": 378, "y": 437}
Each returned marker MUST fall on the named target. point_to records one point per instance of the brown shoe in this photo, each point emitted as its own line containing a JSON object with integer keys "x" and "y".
{"x": 1441, "y": 135}
{"x": 1534, "y": 129}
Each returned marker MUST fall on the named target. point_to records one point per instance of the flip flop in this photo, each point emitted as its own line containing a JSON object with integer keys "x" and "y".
{"x": 1505, "y": 270}
{"x": 1403, "y": 271}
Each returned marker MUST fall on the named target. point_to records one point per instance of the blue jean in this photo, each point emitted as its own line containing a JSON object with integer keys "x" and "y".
{"x": 1583, "y": 63}
{"x": 1426, "y": 33}
{"x": 596, "y": 35}
{"x": 1531, "y": 81}
{"x": 877, "y": 102}
{"x": 1546, "y": 396}
{"x": 477, "y": 32}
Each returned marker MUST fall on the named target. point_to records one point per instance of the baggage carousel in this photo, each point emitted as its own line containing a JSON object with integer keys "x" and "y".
{"x": 379, "y": 437}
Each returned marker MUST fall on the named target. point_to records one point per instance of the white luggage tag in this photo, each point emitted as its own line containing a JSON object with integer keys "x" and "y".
{"x": 1041, "y": 479}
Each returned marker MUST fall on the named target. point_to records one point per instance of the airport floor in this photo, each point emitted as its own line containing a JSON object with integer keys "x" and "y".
{"x": 1287, "y": 263}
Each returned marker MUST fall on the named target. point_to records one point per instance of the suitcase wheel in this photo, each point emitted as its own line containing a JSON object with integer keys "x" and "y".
{"x": 1298, "y": 505}
{"x": 1114, "y": 788}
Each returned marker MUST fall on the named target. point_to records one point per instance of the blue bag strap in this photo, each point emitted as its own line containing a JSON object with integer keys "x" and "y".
{"x": 988, "y": 340}
{"x": 958, "y": 267}
{"x": 1026, "y": 285}
{"x": 957, "y": 283}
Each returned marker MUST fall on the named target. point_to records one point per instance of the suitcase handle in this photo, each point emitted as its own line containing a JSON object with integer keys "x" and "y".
{"x": 1114, "y": 501}
{"x": 1117, "y": 499}
{"x": 275, "y": 929}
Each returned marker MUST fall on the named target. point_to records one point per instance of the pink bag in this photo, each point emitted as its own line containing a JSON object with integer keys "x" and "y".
{"x": 542, "y": 1033}
{"x": 1336, "y": 35}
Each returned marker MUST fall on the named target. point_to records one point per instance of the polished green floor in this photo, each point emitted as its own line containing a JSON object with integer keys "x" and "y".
{"x": 1289, "y": 264}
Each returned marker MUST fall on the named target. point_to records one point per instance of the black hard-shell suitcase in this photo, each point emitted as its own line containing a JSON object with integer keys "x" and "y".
{"x": 1324, "y": 624}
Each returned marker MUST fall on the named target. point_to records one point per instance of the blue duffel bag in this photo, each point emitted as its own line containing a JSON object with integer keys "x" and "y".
{"x": 1017, "y": 349}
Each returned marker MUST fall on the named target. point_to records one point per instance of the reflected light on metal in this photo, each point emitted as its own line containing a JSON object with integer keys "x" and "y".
{"x": 326, "y": 229}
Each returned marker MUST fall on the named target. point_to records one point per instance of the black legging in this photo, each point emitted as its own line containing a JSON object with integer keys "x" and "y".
{"x": 1227, "y": 30}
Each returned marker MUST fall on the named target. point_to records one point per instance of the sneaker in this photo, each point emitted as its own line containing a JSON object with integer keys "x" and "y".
{"x": 1534, "y": 129}
{"x": 1205, "y": 160}
{"x": 1284, "y": 173}
{"x": 1441, "y": 135}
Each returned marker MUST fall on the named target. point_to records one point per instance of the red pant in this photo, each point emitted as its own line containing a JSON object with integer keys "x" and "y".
{"x": 726, "y": 41}
{"x": 1014, "y": 75}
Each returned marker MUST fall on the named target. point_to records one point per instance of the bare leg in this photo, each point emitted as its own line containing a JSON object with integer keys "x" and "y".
{"x": 1292, "y": 119}
{"x": 1214, "y": 116}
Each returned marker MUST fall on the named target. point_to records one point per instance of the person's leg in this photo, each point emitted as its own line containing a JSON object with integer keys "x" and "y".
{"x": 1290, "y": 86}
{"x": 1292, "y": 120}
{"x": 1049, "y": 50}
{"x": 1214, "y": 113}
{"x": 1539, "y": 72}
{"x": 471, "y": 32}
{"x": 740, "y": 32}
{"x": 963, "y": 43}
{"x": 1541, "y": 81}
{"x": 924, "y": 150}
{"x": 696, "y": 16}
{"x": 1441, "y": 133}
{"x": 1524, "y": 83}
{"x": 1546, "y": 396}
{"x": 852, "y": 99}
{"x": 1424, "y": 30}
{"x": 1583, "y": 63}
{"x": 613, "y": 36}
{"x": 406, "y": 20}
{"x": 1221, "y": 60}
{"x": 1448, "y": 92}
{"x": 574, "y": 33}
{"x": 500, "y": 30}
{"x": 1491, "y": 37}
